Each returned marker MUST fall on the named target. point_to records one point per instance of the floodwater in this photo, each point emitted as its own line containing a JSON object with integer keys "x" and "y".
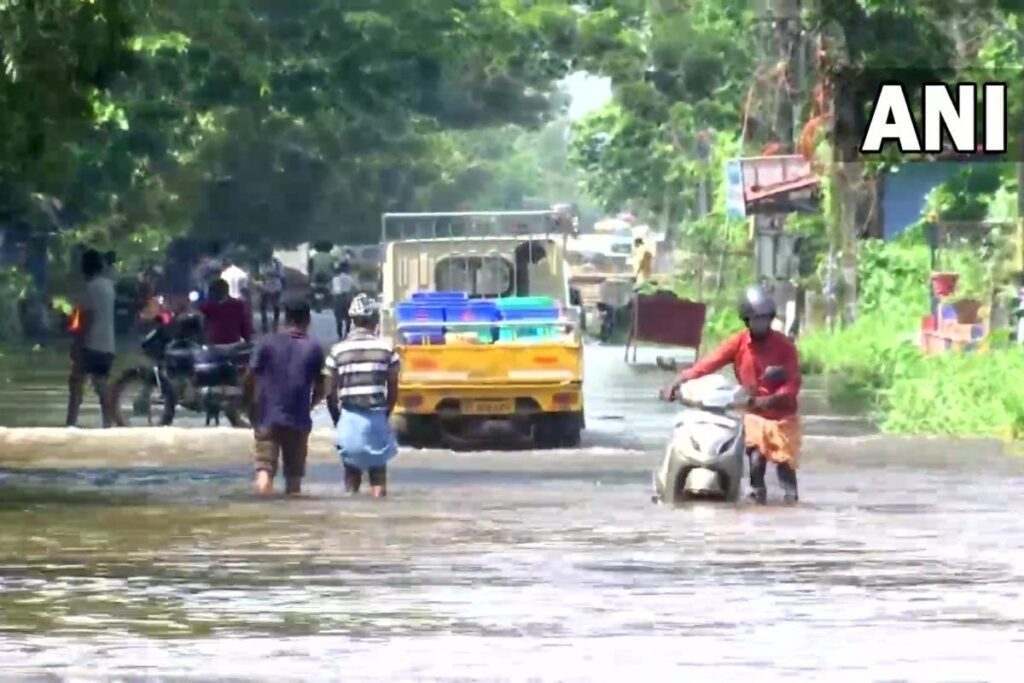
{"x": 904, "y": 561}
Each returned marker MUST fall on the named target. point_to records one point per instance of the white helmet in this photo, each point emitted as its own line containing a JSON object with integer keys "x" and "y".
{"x": 363, "y": 307}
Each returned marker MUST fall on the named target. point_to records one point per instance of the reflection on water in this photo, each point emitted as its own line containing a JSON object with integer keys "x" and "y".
{"x": 520, "y": 565}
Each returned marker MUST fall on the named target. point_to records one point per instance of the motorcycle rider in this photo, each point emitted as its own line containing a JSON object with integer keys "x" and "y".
{"x": 322, "y": 264}
{"x": 227, "y": 319}
{"x": 772, "y": 424}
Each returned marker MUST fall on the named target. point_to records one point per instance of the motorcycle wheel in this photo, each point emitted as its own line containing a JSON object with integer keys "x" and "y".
{"x": 139, "y": 402}
{"x": 231, "y": 409}
{"x": 235, "y": 418}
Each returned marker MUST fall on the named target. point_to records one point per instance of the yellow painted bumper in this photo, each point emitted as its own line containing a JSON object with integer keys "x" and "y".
{"x": 489, "y": 401}
{"x": 494, "y": 380}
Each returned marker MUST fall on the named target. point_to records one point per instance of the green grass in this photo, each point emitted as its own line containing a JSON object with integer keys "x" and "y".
{"x": 875, "y": 366}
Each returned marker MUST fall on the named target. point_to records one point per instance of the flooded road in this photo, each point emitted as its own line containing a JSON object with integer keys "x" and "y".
{"x": 905, "y": 561}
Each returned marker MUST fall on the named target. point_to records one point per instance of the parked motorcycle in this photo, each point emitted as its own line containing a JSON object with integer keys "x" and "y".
{"x": 182, "y": 372}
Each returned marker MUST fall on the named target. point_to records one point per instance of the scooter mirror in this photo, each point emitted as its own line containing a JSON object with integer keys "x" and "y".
{"x": 775, "y": 374}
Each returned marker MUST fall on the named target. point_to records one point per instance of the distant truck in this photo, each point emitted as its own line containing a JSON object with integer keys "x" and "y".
{"x": 480, "y": 309}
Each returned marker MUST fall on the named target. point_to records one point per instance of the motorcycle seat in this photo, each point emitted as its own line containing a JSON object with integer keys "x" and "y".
{"x": 180, "y": 351}
{"x": 231, "y": 349}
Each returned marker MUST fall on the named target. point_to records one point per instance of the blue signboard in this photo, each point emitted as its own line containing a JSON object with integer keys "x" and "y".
{"x": 735, "y": 203}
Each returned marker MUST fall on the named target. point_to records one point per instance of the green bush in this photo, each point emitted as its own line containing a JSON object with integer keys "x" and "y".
{"x": 961, "y": 394}
{"x": 862, "y": 361}
{"x": 876, "y": 365}
{"x": 14, "y": 285}
{"x": 722, "y": 322}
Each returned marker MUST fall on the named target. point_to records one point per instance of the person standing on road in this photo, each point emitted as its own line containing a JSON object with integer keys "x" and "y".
{"x": 772, "y": 424}
{"x": 343, "y": 289}
{"x": 363, "y": 373}
{"x": 643, "y": 263}
{"x": 286, "y": 376}
{"x": 93, "y": 345}
{"x": 272, "y": 281}
{"x": 208, "y": 270}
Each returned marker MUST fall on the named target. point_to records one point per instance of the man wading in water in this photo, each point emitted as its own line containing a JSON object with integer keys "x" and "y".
{"x": 363, "y": 371}
{"x": 772, "y": 426}
{"x": 287, "y": 369}
{"x": 92, "y": 348}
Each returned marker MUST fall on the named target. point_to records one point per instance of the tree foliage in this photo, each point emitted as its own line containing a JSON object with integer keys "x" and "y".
{"x": 679, "y": 69}
{"x": 58, "y": 57}
{"x": 679, "y": 73}
{"x": 273, "y": 120}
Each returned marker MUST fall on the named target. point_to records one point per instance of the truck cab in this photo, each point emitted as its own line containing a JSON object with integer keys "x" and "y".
{"x": 480, "y": 310}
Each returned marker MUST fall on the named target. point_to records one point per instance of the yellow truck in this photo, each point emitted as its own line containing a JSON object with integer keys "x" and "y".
{"x": 479, "y": 308}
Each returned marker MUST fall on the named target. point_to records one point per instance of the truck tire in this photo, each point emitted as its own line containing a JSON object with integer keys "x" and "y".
{"x": 415, "y": 431}
{"x": 559, "y": 430}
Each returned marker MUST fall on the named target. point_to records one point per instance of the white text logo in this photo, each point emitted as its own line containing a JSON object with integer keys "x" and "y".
{"x": 955, "y": 114}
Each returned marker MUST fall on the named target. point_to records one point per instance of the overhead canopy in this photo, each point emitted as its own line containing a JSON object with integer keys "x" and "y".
{"x": 410, "y": 226}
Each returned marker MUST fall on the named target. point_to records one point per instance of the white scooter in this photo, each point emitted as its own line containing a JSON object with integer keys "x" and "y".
{"x": 705, "y": 455}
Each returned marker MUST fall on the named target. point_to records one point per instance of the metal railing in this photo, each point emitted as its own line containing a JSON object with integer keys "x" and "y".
{"x": 474, "y": 224}
{"x": 568, "y": 326}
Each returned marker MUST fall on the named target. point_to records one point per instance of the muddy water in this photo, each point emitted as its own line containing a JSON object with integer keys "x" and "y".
{"x": 904, "y": 562}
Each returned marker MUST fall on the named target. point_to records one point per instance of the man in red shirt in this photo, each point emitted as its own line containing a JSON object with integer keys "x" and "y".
{"x": 227, "y": 320}
{"x": 772, "y": 425}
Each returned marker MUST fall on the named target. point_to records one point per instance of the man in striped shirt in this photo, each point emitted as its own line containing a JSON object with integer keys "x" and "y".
{"x": 363, "y": 373}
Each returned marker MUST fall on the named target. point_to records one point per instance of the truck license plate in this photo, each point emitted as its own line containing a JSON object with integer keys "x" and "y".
{"x": 489, "y": 407}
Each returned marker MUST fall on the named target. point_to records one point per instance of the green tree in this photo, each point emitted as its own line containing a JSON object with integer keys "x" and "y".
{"x": 679, "y": 74}
{"x": 59, "y": 58}
{"x": 277, "y": 121}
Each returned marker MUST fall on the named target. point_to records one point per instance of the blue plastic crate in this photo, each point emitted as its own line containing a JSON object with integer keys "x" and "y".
{"x": 526, "y": 302}
{"x": 417, "y": 312}
{"x": 477, "y": 310}
{"x": 439, "y": 297}
{"x": 528, "y": 331}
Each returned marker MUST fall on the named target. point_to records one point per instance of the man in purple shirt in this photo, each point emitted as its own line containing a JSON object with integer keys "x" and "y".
{"x": 287, "y": 369}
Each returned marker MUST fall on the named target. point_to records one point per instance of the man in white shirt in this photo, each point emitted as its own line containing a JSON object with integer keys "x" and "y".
{"x": 238, "y": 281}
{"x": 92, "y": 349}
{"x": 344, "y": 287}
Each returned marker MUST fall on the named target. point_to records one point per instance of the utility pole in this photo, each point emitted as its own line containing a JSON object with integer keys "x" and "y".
{"x": 783, "y": 45}
{"x": 785, "y": 15}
